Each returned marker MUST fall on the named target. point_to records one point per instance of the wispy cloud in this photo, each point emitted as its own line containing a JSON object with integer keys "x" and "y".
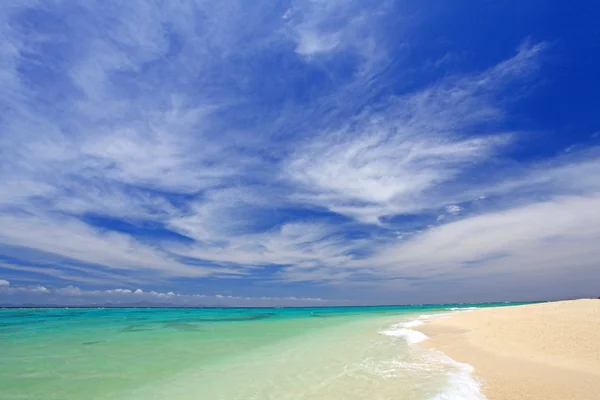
{"x": 73, "y": 239}
{"x": 544, "y": 231}
{"x": 162, "y": 144}
{"x": 402, "y": 159}
{"x": 324, "y": 27}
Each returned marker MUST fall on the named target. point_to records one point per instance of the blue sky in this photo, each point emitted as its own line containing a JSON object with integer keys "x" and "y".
{"x": 299, "y": 152}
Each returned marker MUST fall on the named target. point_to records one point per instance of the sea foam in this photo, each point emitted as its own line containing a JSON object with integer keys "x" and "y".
{"x": 462, "y": 385}
{"x": 403, "y": 330}
{"x": 411, "y": 324}
{"x": 410, "y": 335}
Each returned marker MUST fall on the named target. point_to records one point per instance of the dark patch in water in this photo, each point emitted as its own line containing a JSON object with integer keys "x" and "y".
{"x": 91, "y": 343}
{"x": 246, "y": 318}
{"x": 21, "y": 323}
{"x": 22, "y": 314}
{"x": 137, "y": 318}
{"x": 184, "y": 327}
{"x": 322, "y": 315}
{"x": 221, "y": 319}
{"x": 137, "y": 328}
{"x": 41, "y": 316}
{"x": 62, "y": 314}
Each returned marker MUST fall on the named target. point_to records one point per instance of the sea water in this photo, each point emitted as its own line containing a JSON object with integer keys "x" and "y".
{"x": 226, "y": 354}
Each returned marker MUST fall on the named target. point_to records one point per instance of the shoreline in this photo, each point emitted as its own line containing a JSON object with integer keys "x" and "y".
{"x": 539, "y": 351}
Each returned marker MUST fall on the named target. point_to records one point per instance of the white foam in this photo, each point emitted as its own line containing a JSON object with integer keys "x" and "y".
{"x": 463, "y": 308}
{"x": 462, "y": 385}
{"x": 411, "y": 336}
{"x": 410, "y": 324}
{"x": 403, "y": 330}
{"x": 395, "y": 368}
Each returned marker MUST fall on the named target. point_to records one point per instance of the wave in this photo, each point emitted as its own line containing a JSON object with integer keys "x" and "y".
{"x": 462, "y": 385}
{"x": 410, "y": 335}
{"x": 403, "y": 330}
{"x": 411, "y": 324}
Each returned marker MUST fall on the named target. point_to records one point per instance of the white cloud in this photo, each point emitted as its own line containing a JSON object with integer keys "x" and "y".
{"x": 453, "y": 209}
{"x": 69, "y": 291}
{"x": 200, "y": 155}
{"x": 321, "y": 27}
{"x": 40, "y": 289}
{"x": 74, "y": 295}
{"x": 65, "y": 271}
{"x": 560, "y": 233}
{"x": 540, "y": 229}
{"x": 382, "y": 173}
{"x": 303, "y": 245}
{"x": 311, "y": 42}
{"x": 401, "y": 161}
{"x": 4, "y": 282}
{"x": 128, "y": 154}
{"x": 72, "y": 239}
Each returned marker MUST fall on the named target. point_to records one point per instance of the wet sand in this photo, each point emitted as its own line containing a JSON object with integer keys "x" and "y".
{"x": 548, "y": 351}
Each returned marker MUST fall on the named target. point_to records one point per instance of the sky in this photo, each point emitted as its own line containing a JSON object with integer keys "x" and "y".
{"x": 293, "y": 153}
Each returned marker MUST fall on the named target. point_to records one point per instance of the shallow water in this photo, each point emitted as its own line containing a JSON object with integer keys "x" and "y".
{"x": 181, "y": 354}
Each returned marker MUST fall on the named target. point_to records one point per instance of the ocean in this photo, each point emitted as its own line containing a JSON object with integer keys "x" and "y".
{"x": 226, "y": 354}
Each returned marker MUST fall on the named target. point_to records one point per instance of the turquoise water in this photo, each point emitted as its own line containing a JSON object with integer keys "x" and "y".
{"x": 181, "y": 354}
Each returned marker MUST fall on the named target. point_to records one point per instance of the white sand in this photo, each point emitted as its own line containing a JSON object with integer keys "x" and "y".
{"x": 542, "y": 351}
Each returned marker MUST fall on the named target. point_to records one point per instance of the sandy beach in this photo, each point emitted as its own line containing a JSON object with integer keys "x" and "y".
{"x": 540, "y": 351}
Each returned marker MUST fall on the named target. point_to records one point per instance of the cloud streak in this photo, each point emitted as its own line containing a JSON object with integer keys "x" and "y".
{"x": 401, "y": 160}
{"x": 279, "y": 147}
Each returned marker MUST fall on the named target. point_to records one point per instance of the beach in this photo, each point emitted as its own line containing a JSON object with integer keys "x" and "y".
{"x": 490, "y": 351}
{"x": 547, "y": 351}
